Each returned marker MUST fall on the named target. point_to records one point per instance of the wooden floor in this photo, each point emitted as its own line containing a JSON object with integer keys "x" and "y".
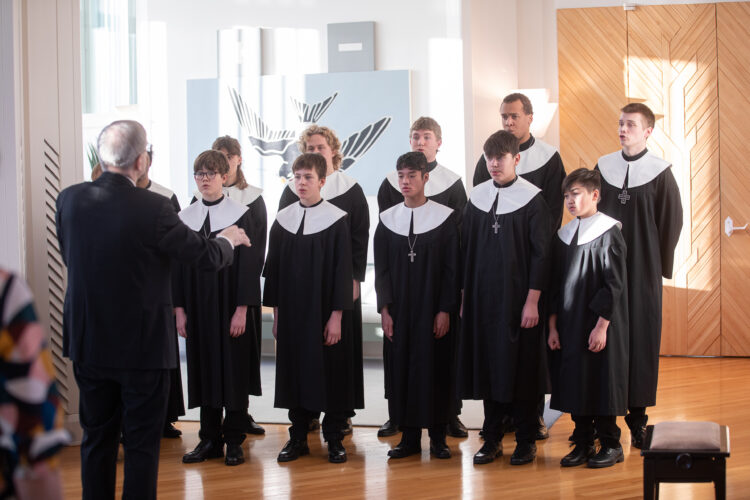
{"x": 689, "y": 389}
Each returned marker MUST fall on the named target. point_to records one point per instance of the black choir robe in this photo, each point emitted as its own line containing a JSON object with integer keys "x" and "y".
{"x": 343, "y": 192}
{"x": 176, "y": 402}
{"x": 499, "y": 360}
{"x": 223, "y": 371}
{"x": 421, "y": 368}
{"x": 589, "y": 281}
{"x": 542, "y": 166}
{"x": 642, "y": 194}
{"x": 308, "y": 275}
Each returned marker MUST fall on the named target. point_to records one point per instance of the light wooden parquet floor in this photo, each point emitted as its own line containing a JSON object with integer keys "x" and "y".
{"x": 689, "y": 389}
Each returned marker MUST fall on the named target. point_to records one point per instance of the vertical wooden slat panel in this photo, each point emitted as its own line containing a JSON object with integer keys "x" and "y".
{"x": 733, "y": 20}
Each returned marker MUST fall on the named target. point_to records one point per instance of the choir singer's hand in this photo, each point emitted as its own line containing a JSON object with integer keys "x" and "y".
{"x": 553, "y": 341}
{"x": 441, "y": 325}
{"x": 387, "y": 323}
{"x": 180, "y": 321}
{"x": 332, "y": 332}
{"x": 236, "y": 235}
{"x": 598, "y": 338}
{"x": 237, "y": 325}
{"x": 529, "y": 315}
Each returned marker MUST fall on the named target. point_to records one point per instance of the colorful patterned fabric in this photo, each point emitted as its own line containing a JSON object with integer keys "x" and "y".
{"x": 31, "y": 425}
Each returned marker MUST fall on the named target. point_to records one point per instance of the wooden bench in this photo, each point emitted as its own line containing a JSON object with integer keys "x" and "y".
{"x": 685, "y": 452}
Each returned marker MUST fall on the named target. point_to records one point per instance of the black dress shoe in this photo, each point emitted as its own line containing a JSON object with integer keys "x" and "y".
{"x": 234, "y": 455}
{"x": 457, "y": 429}
{"x": 404, "y": 449}
{"x": 292, "y": 450}
{"x": 638, "y": 437}
{"x": 336, "y": 452}
{"x": 314, "y": 425}
{"x": 439, "y": 449}
{"x": 488, "y": 452}
{"x": 525, "y": 453}
{"x": 541, "y": 431}
{"x": 206, "y": 449}
{"x": 348, "y": 429}
{"x": 607, "y": 457}
{"x": 387, "y": 429}
{"x": 170, "y": 431}
{"x": 251, "y": 427}
{"x": 578, "y": 456}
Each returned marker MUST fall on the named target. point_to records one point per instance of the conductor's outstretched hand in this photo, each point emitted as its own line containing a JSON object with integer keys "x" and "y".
{"x": 236, "y": 235}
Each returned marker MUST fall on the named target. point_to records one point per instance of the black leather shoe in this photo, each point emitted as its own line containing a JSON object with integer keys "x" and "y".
{"x": 578, "y": 456}
{"x": 403, "y": 450}
{"x": 488, "y": 452}
{"x": 234, "y": 455}
{"x": 638, "y": 436}
{"x": 541, "y": 432}
{"x": 251, "y": 427}
{"x": 457, "y": 429}
{"x": 387, "y": 429}
{"x": 336, "y": 452}
{"x": 170, "y": 431}
{"x": 439, "y": 449}
{"x": 525, "y": 453}
{"x": 348, "y": 429}
{"x": 314, "y": 425}
{"x": 206, "y": 449}
{"x": 607, "y": 457}
{"x": 292, "y": 450}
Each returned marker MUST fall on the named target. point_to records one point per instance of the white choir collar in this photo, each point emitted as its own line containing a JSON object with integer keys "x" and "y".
{"x": 642, "y": 171}
{"x": 158, "y": 188}
{"x": 223, "y": 214}
{"x": 317, "y": 218}
{"x": 535, "y": 157}
{"x": 242, "y": 196}
{"x": 516, "y": 196}
{"x": 336, "y": 184}
{"x": 588, "y": 229}
{"x": 426, "y": 218}
{"x": 441, "y": 179}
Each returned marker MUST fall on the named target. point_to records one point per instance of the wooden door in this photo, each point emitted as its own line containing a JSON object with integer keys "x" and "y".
{"x": 734, "y": 114}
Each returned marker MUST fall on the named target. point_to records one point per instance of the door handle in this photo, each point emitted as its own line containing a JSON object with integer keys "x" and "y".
{"x": 730, "y": 228}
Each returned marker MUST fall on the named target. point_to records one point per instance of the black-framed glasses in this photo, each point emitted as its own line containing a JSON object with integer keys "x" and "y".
{"x": 208, "y": 174}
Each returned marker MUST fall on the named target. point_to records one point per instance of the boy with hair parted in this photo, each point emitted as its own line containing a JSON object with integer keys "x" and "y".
{"x": 640, "y": 191}
{"x": 588, "y": 323}
{"x": 416, "y": 280}
{"x": 505, "y": 242}
{"x": 309, "y": 284}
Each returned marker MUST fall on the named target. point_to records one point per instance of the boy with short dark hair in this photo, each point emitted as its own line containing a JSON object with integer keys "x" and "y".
{"x": 416, "y": 280}
{"x": 505, "y": 240}
{"x": 309, "y": 284}
{"x": 588, "y": 323}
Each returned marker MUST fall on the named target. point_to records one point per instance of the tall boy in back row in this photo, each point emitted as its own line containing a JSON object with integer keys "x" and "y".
{"x": 640, "y": 191}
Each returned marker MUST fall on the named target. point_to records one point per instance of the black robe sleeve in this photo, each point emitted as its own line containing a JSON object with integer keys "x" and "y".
{"x": 557, "y": 265}
{"x": 388, "y": 197}
{"x": 539, "y": 237}
{"x": 250, "y": 259}
{"x": 449, "y": 296}
{"x": 359, "y": 220}
{"x": 481, "y": 174}
{"x": 175, "y": 203}
{"x": 383, "y": 283}
{"x": 552, "y": 189}
{"x": 342, "y": 268}
{"x": 668, "y": 214}
{"x": 271, "y": 268}
{"x": 615, "y": 272}
{"x": 287, "y": 197}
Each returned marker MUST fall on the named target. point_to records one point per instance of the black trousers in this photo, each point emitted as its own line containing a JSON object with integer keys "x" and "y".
{"x": 413, "y": 435}
{"x": 636, "y": 417}
{"x": 113, "y": 399}
{"x": 606, "y": 428}
{"x": 333, "y": 424}
{"x": 231, "y": 431}
{"x": 524, "y": 415}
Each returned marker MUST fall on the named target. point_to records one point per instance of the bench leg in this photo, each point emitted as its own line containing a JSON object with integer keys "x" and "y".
{"x": 649, "y": 485}
{"x": 720, "y": 479}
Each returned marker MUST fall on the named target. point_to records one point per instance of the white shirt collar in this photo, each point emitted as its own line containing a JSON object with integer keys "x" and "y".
{"x": 158, "y": 188}
{"x": 535, "y": 157}
{"x": 588, "y": 229}
{"x": 317, "y": 218}
{"x": 221, "y": 215}
{"x": 336, "y": 184}
{"x": 426, "y": 218}
{"x": 642, "y": 171}
{"x": 511, "y": 198}
{"x": 441, "y": 178}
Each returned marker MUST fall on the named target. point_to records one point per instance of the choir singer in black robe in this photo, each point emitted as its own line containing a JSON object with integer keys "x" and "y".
{"x": 213, "y": 313}
{"x": 505, "y": 240}
{"x": 588, "y": 323}
{"x": 309, "y": 284}
{"x": 640, "y": 191}
{"x": 416, "y": 280}
{"x": 345, "y": 193}
{"x": 445, "y": 187}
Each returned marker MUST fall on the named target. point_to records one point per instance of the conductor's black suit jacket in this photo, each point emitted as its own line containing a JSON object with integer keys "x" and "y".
{"x": 117, "y": 241}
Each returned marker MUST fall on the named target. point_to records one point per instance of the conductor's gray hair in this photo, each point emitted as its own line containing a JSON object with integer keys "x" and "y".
{"x": 120, "y": 143}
